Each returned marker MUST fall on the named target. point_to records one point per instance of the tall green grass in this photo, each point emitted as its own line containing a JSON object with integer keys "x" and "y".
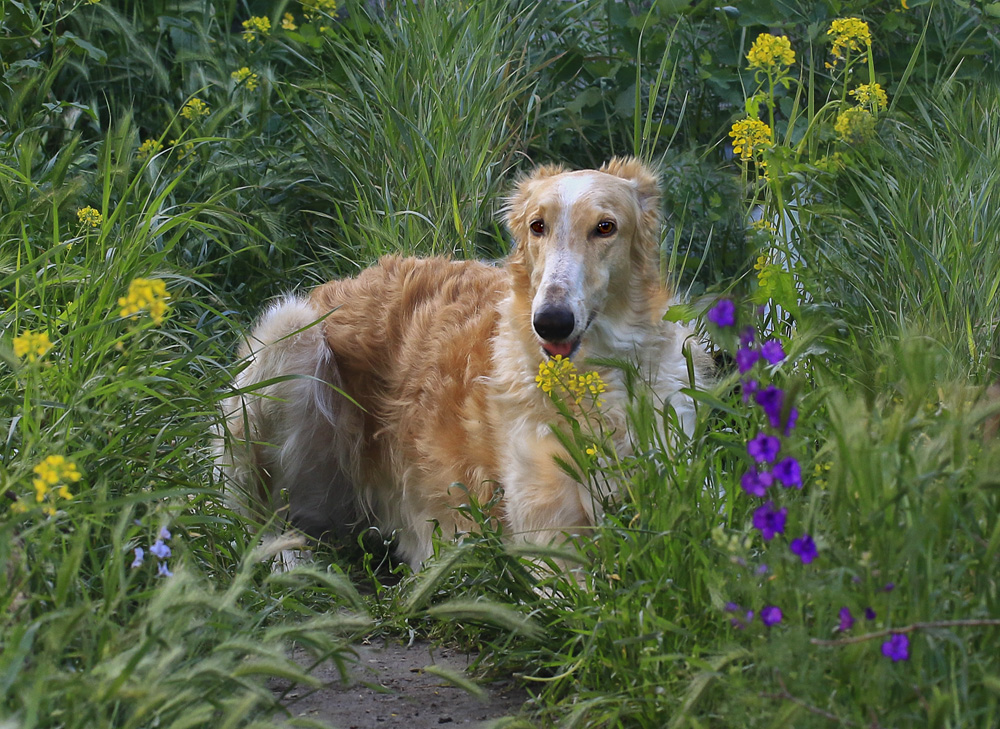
{"x": 912, "y": 239}
{"x": 419, "y": 118}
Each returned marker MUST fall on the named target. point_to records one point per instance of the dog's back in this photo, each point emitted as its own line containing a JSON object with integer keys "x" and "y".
{"x": 408, "y": 341}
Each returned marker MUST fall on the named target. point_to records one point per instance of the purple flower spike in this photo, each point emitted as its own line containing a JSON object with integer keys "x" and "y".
{"x": 723, "y": 314}
{"x": 770, "y": 521}
{"x": 846, "y": 619}
{"x": 763, "y": 448}
{"x": 789, "y": 472}
{"x": 771, "y": 351}
{"x": 869, "y": 613}
{"x": 755, "y": 483}
{"x": 897, "y": 648}
{"x": 746, "y": 358}
{"x": 771, "y": 615}
{"x": 750, "y": 388}
{"x": 805, "y": 547}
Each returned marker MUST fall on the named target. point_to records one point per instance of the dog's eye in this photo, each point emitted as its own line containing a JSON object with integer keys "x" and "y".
{"x": 537, "y": 227}
{"x": 606, "y": 228}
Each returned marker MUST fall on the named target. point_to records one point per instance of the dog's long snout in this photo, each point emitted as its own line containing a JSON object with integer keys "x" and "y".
{"x": 553, "y": 323}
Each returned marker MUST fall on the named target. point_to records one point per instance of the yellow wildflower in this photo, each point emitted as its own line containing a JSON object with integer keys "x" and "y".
{"x": 145, "y": 294}
{"x": 253, "y": 26}
{"x": 854, "y": 125}
{"x": 592, "y": 450}
{"x": 89, "y": 216}
{"x": 148, "y": 148}
{"x": 246, "y": 77}
{"x": 849, "y": 34}
{"x": 182, "y": 150}
{"x": 52, "y": 478}
{"x": 195, "y": 109}
{"x": 770, "y": 52}
{"x": 32, "y": 346}
{"x": 313, "y": 8}
{"x": 750, "y": 137}
{"x": 560, "y": 376}
{"x": 871, "y": 96}
{"x": 288, "y": 22}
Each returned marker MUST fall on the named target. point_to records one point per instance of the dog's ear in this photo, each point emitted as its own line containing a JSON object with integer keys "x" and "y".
{"x": 644, "y": 179}
{"x": 514, "y": 212}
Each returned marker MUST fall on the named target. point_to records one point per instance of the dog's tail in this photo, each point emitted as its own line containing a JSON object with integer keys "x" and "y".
{"x": 289, "y": 429}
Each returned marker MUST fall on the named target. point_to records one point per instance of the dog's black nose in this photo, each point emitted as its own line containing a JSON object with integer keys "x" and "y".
{"x": 553, "y": 323}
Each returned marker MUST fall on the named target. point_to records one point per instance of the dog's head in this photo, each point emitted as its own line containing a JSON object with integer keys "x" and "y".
{"x": 586, "y": 245}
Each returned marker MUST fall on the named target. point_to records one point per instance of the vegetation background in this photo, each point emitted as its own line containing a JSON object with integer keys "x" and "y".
{"x": 167, "y": 166}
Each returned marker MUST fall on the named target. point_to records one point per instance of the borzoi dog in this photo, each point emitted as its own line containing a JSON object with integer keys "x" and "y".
{"x": 370, "y": 400}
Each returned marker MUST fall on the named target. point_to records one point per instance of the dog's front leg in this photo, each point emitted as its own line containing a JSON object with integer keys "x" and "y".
{"x": 543, "y": 504}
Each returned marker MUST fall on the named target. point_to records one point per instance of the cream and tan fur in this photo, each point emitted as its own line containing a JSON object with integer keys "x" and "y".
{"x": 439, "y": 360}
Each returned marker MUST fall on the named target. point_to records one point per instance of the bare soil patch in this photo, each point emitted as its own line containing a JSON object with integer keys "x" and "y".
{"x": 388, "y": 686}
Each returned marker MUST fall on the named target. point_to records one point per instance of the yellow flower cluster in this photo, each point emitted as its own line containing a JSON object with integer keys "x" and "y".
{"x": 195, "y": 109}
{"x": 148, "y": 148}
{"x": 32, "y": 346}
{"x": 89, "y": 216}
{"x": 313, "y": 8}
{"x": 560, "y": 376}
{"x": 148, "y": 294}
{"x": 766, "y": 272}
{"x": 871, "y": 96}
{"x": 750, "y": 137}
{"x": 770, "y": 52}
{"x": 855, "y": 125}
{"x": 849, "y": 34}
{"x": 246, "y": 77}
{"x": 288, "y": 22}
{"x": 51, "y": 482}
{"x": 253, "y": 26}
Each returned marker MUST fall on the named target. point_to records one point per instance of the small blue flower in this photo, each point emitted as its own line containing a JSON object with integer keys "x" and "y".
{"x": 164, "y": 571}
{"x": 869, "y": 613}
{"x": 763, "y": 448}
{"x": 723, "y": 314}
{"x": 769, "y": 520}
{"x": 139, "y": 555}
{"x": 805, "y": 547}
{"x": 756, "y": 482}
{"x": 164, "y": 534}
{"x": 771, "y": 615}
{"x": 746, "y": 358}
{"x": 789, "y": 472}
{"x": 771, "y": 351}
{"x": 897, "y": 648}
{"x": 846, "y": 619}
{"x": 160, "y": 550}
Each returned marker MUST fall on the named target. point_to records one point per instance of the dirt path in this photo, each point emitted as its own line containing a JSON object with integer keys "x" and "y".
{"x": 389, "y": 687}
